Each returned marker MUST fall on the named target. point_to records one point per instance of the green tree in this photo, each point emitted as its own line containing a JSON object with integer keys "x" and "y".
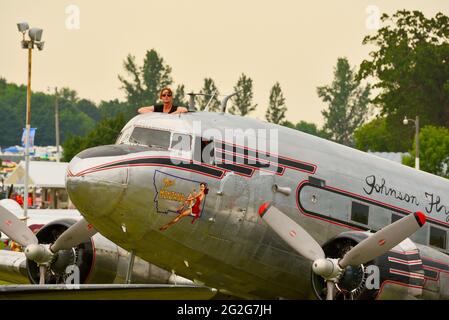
{"x": 89, "y": 108}
{"x": 145, "y": 82}
{"x": 72, "y": 146}
{"x": 307, "y": 127}
{"x": 348, "y": 104}
{"x": 375, "y": 136}
{"x": 211, "y": 93}
{"x": 71, "y": 121}
{"x": 433, "y": 151}
{"x": 106, "y": 132}
{"x": 242, "y": 101}
{"x": 10, "y": 132}
{"x": 410, "y": 65}
{"x": 68, "y": 95}
{"x": 111, "y": 108}
{"x": 276, "y": 106}
{"x": 179, "y": 97}
{"x": 76, "y": 116}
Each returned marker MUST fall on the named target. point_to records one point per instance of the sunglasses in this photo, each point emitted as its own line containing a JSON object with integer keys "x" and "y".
{"x": 166, "y": 95}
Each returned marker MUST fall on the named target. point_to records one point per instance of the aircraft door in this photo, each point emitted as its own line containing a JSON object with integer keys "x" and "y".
{"x": 231, "y": 205}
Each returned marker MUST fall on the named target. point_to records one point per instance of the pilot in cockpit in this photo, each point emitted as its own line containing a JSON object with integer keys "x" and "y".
{"x": 166, "y": 96}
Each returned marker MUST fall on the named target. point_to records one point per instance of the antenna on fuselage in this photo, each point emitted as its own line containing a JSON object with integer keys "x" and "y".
{"x": 192, "y": 96}
{"x": 206, "y": 108}
{"x": 224, "y": 102}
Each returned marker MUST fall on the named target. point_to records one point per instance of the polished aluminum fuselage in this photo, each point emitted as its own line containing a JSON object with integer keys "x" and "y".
{"x": 229, "y": 247}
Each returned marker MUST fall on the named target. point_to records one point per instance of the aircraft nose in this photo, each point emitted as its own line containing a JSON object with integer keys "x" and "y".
{"x": 94, "y": 184}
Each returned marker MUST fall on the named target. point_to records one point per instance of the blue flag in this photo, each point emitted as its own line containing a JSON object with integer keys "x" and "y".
{"x": 32, "y": 134}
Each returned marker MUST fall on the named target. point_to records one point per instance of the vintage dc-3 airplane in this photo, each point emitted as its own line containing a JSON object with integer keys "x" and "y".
{"x": 254, "y": 210}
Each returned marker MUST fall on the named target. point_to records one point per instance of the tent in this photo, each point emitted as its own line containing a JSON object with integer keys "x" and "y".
{"x": 14, "y": 149}
{"x": 47, "y": 176}
{"x": 44, "y": 174}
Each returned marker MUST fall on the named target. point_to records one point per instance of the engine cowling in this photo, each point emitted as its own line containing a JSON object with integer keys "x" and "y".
{"x": 393, "y": 275}
{"x": 98, "y": 261}
{"x": 82, "y": 256}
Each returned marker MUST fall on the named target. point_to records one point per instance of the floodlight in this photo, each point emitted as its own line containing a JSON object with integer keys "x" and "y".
{"x": 24, "y": 44}
{"x": 22, "y": 26}
{"x": 40, "y": 45}
{"x": 35, "y": 34}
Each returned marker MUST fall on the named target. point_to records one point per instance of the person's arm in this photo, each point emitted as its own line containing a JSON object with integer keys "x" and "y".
{"x": 145, "y": 109}
{"x": 180, "y": 110}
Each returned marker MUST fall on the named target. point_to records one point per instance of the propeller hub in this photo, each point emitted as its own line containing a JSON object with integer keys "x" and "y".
{"x": 39, "y": 253}
{"x": 327, "y": 268}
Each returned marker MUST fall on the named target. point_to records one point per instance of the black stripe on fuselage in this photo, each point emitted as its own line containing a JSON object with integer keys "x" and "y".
{"x": 266, "y": 156}
{"x": 400, "y": 272}
{"x": 431, "y": 274}
{"x": 405, "y": 257}
{"x": 183, "y": 164}
{"x": 239, "y": 169}
{"x": 435, "y": 264}
{"x": 406, "y": 279}
{"x": 256, "y": 164}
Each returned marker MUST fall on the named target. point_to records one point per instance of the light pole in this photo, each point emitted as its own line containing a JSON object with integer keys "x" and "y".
{"x": 34, "y": 39}
{"x": 416, "y": 122}
{"x": 58, "y": 154}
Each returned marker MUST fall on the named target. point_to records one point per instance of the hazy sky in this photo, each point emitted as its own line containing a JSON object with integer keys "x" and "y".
{"x": 294, "y": 42}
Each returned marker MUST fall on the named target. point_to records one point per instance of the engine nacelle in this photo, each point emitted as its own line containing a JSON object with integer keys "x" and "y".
{"x": 84, "y": 257}
{"x": 98, "y": 261}
{"x": 397, "y": 274}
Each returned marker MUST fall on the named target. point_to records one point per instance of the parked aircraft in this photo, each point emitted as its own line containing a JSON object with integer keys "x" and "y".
{"x": 98, "y": 261}
{"x": 257, "y": 210}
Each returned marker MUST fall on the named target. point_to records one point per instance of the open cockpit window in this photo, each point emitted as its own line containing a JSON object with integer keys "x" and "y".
{"x": 150, "y": 137}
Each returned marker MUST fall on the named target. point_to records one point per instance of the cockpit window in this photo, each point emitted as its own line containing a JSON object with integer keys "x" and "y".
{"x": 182, "y": 142}
{"x": 150, "y": 137}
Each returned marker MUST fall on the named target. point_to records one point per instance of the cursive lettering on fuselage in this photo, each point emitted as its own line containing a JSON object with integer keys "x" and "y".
{"x": 435, "y": 204}
{"x": 373, "y": 185}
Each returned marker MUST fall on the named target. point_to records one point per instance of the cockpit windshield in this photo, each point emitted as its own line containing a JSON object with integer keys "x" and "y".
{"x": 150, "y": 137}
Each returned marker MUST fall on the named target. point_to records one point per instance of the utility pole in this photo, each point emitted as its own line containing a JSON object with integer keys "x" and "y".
{"x": 417, "y": 142}
{"x": 416, "y": 123}
{"x": 58, "y": 154}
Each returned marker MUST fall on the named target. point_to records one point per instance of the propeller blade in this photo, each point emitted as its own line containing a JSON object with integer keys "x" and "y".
{"x": 291, "y": 232}
{"x": 15, "y": 229}
{"x": 78, "y": 233}
{"x": 42, "y": 272}
{"x": 11, "y": 205}
{"x": 330, "y": 290}
{"x": 383, "y": 240}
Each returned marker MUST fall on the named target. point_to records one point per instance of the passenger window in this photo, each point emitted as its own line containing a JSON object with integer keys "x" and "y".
{"x": 182, "y": 142}
{"x": 317, "y": 182}
{"x": 359, "y": 213}
{"x": 150, "y": 137}
{"x": 438, "y": 237}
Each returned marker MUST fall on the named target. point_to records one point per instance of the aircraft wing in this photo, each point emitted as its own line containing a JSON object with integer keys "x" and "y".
{"x": 106, "y": 292}
{"x": 13, "y": 267}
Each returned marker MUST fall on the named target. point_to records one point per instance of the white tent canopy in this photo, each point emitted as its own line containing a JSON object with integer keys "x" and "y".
{"x": 43, "y": 174}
